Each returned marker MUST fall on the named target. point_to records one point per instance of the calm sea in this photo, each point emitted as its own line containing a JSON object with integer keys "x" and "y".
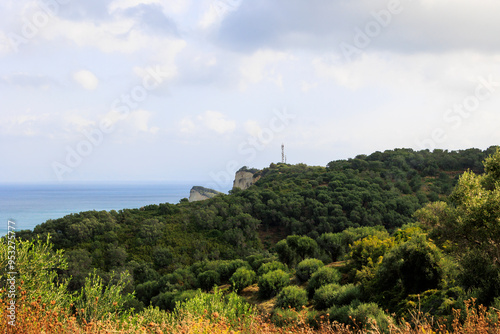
{"x": 30, "y": 205}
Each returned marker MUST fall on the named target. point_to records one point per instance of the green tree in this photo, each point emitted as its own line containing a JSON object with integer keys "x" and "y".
{"x": 271, "y": 283}
{"x": 306, "y": 268}
{"x": 324, "y": 276}
{"x": 331, "y": 244}
{"x": 242, "y": 278}
{"x": 410, "y": 268}
{"x": 292, "y": 296}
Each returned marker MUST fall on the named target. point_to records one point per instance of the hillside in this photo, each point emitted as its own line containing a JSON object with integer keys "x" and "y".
{"x": 351, "y": 210}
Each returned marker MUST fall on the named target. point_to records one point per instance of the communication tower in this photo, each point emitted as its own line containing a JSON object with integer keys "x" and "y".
{"x": 283, "y": 157}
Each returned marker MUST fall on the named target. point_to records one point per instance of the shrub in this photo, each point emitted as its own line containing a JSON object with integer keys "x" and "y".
{"x": 341, "y": 313}
{"x": 257, "y": 260}
{"x": 324, "y": 296}
{"x": 212, "y": 306}
{"x": 369, "y": 311}
{"x": 292, "y": 296}
{"x": 324, "y": 275}
{"x": 226, "y": 268}
{"x": 307, "y": 267}
{"x": 147, "y": 290}
{"x": 270, "y": 266}
{"x": 100, "y": 301}
{"x": 346, "y": 294}
{"x": 272, "y": 283}
{"x": 207, "y": 279}
{"x": 285, "y": 317}
{"x": 242, "y": 278}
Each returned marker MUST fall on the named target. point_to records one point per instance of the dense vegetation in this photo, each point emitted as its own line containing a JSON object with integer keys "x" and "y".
{"x": 375, "y": 237}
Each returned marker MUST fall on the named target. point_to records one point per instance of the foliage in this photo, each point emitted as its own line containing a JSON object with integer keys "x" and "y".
{"x": 366, "y": 255}
{"x": 99, "y": 302}
{"x": 295, "y": 248}
{"x": 37, "y": 265}
{"x": 324, "y": 276}
{"x": 359, "y": 210}
{"x": 208, "y": 279}
{"x": 323, "y": 297}
{"x": 270, "y": 266}
{"x": 306, "y": 268}
{"x": 331, "y": 244}
{"x": 230, "y": 307}
{"x": 410, "y": 268}
{"x": 270, "y": 284}
{"x": 292, "y": 297}
{"x": 242, "y": 278}
{"x": 366, "y": 314}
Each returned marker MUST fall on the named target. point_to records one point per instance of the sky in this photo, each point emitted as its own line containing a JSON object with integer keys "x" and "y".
{"x": 181, "y": 90}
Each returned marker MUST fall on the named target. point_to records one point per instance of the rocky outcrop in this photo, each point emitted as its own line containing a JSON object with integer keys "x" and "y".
{"x": 198, "y": 193}
{"x": 245, "y": 178}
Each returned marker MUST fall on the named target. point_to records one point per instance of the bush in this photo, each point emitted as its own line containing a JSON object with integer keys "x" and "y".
{"x": 214, "y": 306}
{"x": 285, "y": 317}
{"x": 257, "y": 260}
{"x": 270, "y": 266}
{"x": 208, "y": 279}
{"x": 346, "y": 294}
{"x": 324, "y": 275}
{"x": 341, "y": 313}
{"x": 307, "y": 267}
{"x": 324, "y": 296}
{"x": 242, "y": 278}
{"x": 292, "y": 296}
{"x": 369, "y": 311}
{"x": 271, "y": 283}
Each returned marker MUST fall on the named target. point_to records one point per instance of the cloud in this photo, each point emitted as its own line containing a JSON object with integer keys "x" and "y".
{"x": 217, "y": 11}
{"x": 187, "y": 126}
{"x": 24, "y": 80}
{"x": 260, "y": 66}
{"x": 95, "y": 10}
{"x": 253, "y": 128}
{"x": 217, "y": 122}
{"x": 426, "y": 26}
{"x": 27, "y": 124}
{"x": 148, "y": 15}
{"x": 130, "y": 124}
{"x": 86, "y": 79}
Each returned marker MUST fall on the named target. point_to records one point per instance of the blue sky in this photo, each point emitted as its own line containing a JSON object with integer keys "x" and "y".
{"x": 136, "y": 90}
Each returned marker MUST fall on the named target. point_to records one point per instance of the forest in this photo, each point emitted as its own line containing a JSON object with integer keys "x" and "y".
{"x": 389, "y": 241}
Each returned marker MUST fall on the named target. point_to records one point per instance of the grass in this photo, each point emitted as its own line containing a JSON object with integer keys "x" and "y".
{"x": 206, "y": 314}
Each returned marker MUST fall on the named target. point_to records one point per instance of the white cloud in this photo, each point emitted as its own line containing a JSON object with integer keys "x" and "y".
{"x": 253, "y": 128}
{"x": 86, "y": 79}
{"x": 307, "y": 86}
{"x": 26, "y": 124}
{"x": 131, "y": 124}
{"x": 74, "y": 121}
{"x": 125, "y": 4}
{"x": 217, "y": 122}
{"x": 261, "y": 66}
{"x": 5, "y": 44}
{"x": 217, "y": 11}
{"x": 187, "y": 126}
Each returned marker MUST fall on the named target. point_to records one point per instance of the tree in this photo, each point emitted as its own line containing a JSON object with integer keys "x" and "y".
{"x": 271, "y": 283}
{"x": 412, "y": 267}
{"x": 331, "y": 244}
{"x": 242, "y": 278}
{"x": 471, "y": 224}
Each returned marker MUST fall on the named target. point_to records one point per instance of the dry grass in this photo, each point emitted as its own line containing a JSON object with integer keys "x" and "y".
{"x": 35, "y": 317}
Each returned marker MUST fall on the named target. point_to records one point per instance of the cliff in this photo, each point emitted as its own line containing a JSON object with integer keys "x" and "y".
{"x": 198, "y": 193}
{"x": 244, "y": 178}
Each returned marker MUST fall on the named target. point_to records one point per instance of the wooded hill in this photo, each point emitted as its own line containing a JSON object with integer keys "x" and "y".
{"x": 388, "y": 217}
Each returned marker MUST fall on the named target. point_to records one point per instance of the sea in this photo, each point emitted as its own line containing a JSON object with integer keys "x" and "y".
{"x": 28, "y": 205}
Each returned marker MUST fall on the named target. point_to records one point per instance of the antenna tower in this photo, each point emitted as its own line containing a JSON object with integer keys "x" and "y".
{"x": 283, "y": 153}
